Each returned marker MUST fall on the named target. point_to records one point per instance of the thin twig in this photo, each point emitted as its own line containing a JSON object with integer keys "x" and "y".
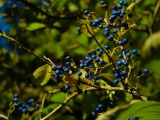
{"x": 60, "y": 106}
{"x": 21, "y": 46}
{"x": 154, "y": 16}
{"x": 3, "y": 116}
{"x": 110, "y": 58}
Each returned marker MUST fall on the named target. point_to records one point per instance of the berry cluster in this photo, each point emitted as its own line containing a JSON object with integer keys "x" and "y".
{"x": 24, "y": 108}
{"x": 98, "y": 109}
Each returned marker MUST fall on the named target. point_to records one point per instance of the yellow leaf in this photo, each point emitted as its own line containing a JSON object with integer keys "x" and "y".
{"x": 43, "y": 73}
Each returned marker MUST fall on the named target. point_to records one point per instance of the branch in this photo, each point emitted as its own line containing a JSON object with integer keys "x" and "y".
{"x": 60, "y": 106}
{"x": 50, "y": 16}
{"x": 21, "y": 46}
{"x": 3, "y": 116}
{"x": 110, "y": 58}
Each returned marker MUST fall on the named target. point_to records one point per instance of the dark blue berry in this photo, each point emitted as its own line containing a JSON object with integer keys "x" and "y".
{"x": 107, "y": 47}
{"x": 116, "y": 75}
{"x": 100, "y": 106}
{"x": 131, "y": 118}
{"x": 117, "y": 69}
{"x": 107, "y": 29}
{"x": 121, "y": 2}
{"x": 102, "y": 2}
{"x": 146, "y": 71}
{"x": 124, "y": 72}
{"x": 96, "y": 77}
{"x": 87, "y": 75}
{"x": 120, "y": 55}
{"x": 30, "y": 101}
{"x": 111, "y": 104}
{"x": 97, "y": 59}
{"x": 65, "y": 69}
{"x": 110, "y": 37}
{"x": 106, "y": 33}
{"x": 134, "y": 51}
{"x": 54, "y": 68}
{"x": 60, "y": 67}
{"x": 119, "y": 63}
{"x": 133, "y": 0}
{"x": 116, "y": 81}
{"x": 57, "y": 71}
{"x": 86, "y": 12}
{"x": 68, "y": 63}
{"x": 125, "y": 63}
{"x": 125, "y": 4}
{"x": 37, "y": 106}
{"x": 93, "y": 113}
{"x": 79, "y": 73}
{"x": 128, "y": 54}
{"x": 15, "y": 100}
{"x": 139, "y": 73}
{"x": 16, "y": 95}
{"x": 81, "y": 65}
{"x": 78, "y": 28}
{"x": 114, "y": 31}
{"x": 23, "y": 110}
{"x": 101, "y": 62}
{"x": 100, "y": 26}
{"x": 119, "y": 6}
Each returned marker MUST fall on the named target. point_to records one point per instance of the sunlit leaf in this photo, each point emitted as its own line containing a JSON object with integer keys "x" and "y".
{"x": 43, "y": 73}
{"x": 151, "y": 44}
{"x": 35, "y": 26}
{"x": 144, "y": 110}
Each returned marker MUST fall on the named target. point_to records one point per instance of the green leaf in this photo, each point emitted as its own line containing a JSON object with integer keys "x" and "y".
{"x": 43, "y": 73}
{"x": 151, "y": 45}
{"x": 144, "y": 110}
{"x": 35, "y": 26}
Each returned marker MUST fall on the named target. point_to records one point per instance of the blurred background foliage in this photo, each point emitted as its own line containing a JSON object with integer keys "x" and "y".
{"x": 49, "y": 27}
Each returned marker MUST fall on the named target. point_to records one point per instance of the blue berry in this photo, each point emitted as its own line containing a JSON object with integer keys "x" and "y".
{"x": 107, "y": 47}
{"x": 124, "y": 72}
{"x": 16, "y": 95}
{"x": 139, "y": 73}
{"x": 121, "y": 2}
{"x": 111, "y": 104}
{"x": 15, "y": 100}
{"x": 134, "y": 51}
{"x": 100, "y": 106}
{"x": 100, "y": 26}
{"x": 119, "y": 63}
{"x": 54, "y": 68}
{"x": 125, "y": 63}
{"x": 65, "y": 69}
{"x": 60, "y": 67}
{"x": 125, "y": 4}
{"x": 68, "y": 63}
{"x": 90, "y": 77}
{"x": 119, "y": 6}
{"x": 116, "y": 75}
{"x": 106, "y": 33}
{"x": 114, "y": 31}
{"x": 146, "y": 71}
{"x": 86, "y": 12}
{"x": 131, "y": 118}
{"x": 37, "y": 106}
{"x": 96, "y": 77}
{"x": 93, "y": 113}
{"x": 107, "y": 29}
{"x": 116, "y": 81}
{"x": 120, "y": 55}
{"x": 102, "y": 2}
{"x": 110, "y": 37}
{"x": 133, "y": 0}
{"x": 57, "y": 71}
{"x": 87, "y": 75}
{"x": 128, "y": 54}
{"x": 66, "y": 88}
{"x": 97, "y": 59}
{"x": 117, "y": 69}
{"x": 101, "y": 62}
{"x": 30, "y": 101}
{"x": 81, "y": 65}
{"x": 78, "y": 28}
{"x": 23, "y": 110}
{"x": 79, "y": 73}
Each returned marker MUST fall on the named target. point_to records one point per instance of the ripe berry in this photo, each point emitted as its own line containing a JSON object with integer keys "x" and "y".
{"x": 111, "y": 104}
{"x": 37, "y": 106}
{"x": 101, "y": 62}
{"x": 81, "y": 65}
{"x": 54, "y": 68}
{"x": 57, "y": 71}
{"x": 100, "y": 106}
{"x": 116, "y": 75}
{"x": 87, "y": 75}
{"x": 100, "y": 26}
{"x": 139, "y": 73}
{"x": 128, "y": 54}
{"x": 120, "y": 55}
{"x": 96, "y": 77}
{"x": 86, "y": 12}
{"x": 132, "y": 118}
{"x": 79, "y": 73}
{"x": 125, "y": 63}
{"x": 134, "y": 51}
{"x": 107, "y": 29}
{"x": 102, "y": 2}
{"x": 116, "y": 81}
{"x": 107, "y": 47}
{"x": 124, "y": 72}
{"x": 60, "y": 67}
{"x": 121, "y": 2}
{"x": 93, "y": 113}
{"x": 119, "y": 63}
{"x": 146, "y": 71}
{"x": 78, "y": 28}
{"x": 110, "y": 37}
{"x": 16, "y": 95}
{"x": 119, "y": 6}
{"x": 125, "y": 4}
